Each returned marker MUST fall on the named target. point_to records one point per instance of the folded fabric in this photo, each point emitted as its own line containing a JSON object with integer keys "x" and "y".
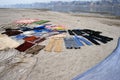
{"x": 56, "y": 27}
{"x": 49, "y": 34}
{"x": 30, "y": 38}
{"x": 78, "y": 41}
{"x": 80, "y": 38}
{"x": 39, "y": 40}
{"x": 59, "y": 36}
{"x": 40, "y": 27}
{"x": 25, "y": 29}
{"x": 58, "y": 45}
{"x": 26, "y": 21}
{"x": 71, "y": 43}
{"x": 12, "y": 32}
{"x": 35, "y": 49}
{"x": 28, "y": 33}
{"x": 7, "y": 42}
{"x": 37, "y": 34}
{"x": 41, "y": 22}
{"x": 50, "y": 45}
{"x": 19, "y": 37}
{"x": 70, "y": 32}
{"x": 55, "y": 44}
{"x": 23, "y": 47}
{"x": 92, "y": 40}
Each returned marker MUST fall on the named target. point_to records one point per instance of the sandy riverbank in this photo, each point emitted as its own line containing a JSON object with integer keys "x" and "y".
{"x": 57, "y": 66}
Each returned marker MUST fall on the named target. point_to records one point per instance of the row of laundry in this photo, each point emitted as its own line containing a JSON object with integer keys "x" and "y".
{"x": 79, "y": 37}
{"x": 58, "y": 36}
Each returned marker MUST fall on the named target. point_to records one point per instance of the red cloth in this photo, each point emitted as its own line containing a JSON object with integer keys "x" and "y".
{"x": 23, "y": 47}
{"x": 31, "y": 38}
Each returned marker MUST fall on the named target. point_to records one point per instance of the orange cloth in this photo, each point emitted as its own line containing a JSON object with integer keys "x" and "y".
{"x": 31, "y": 38}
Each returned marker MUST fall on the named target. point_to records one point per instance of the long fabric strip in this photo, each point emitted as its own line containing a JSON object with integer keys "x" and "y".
{"x": 84, "y": 40}
{"x": 35, "y": 49}
{"x": 92, "y": 40}
{"x": 58, "y": 45}
{"x": 71, "y": 43}
{"x": 23, "y": 47}
{"x": 50, "y": 45}
{"x": 78, "y": 41}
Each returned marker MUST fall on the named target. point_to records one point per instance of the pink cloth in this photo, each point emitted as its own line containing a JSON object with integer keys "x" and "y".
{"x": 26, "y": 21}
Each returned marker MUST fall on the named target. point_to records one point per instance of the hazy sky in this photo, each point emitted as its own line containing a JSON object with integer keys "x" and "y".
{"x": 4, "y": 2}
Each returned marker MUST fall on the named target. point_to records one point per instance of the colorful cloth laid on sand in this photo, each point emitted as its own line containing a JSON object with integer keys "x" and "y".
{"x": 28, "y": 33}
{"x": 92, "y": 36}
{"x": 30, "y": 38}
{"x": 12, "y": 32}
{"x": 32, "y": 32}
{"x": 7, "y": 42}
{"x": 108, "y": 69}
{"x": 56, "y": 27}
{"x": 26, "y": 21}
{"x": 35, "y": 49}
{"x": 23, "y": 47}
{"x": 39, "y": 40}
{"x": 70, "y": 43}
{"x": 42, "y": 29}
{"x": 55, "y": 44}
{"x": 82, "y": 39}
{"x": 25, "y": 29}
{"x": 19, "y": 37}
{"x": 76, "y": 42}
{"x": 41, "y": 22}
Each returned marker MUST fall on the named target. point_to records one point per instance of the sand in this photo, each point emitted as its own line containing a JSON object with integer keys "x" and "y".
{"x": 51, "y": 65}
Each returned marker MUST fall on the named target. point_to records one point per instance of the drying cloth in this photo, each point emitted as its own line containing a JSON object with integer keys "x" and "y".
{"x": 71, "y": 43}
{"x": 19, "y": 37}
{"x": 23, "y": 47}
{"x": 50, "y": 45}
{"x": 56, "y": 27}
{"x": 31, "y": 38}
{"x": 92, "y": 40}
{"x": 25, "y": 29}
{"x": 37, "y": 34}
{"x": 50, "y": 34}
{"x": 12, "y": 32}
{"x": 26, "y": 21}
{"x": 80, "y": 38}
{"x": 39, "y": 40}
{"x": 35, "y": 49}
{"x": 41, "y": 22}
{"x": 59, "y": 36}
{"x": 78, "y": 41}
{"x": 58, "y": 45}
{"x": 28, "y": 33}
{"x": 7, "y": 42}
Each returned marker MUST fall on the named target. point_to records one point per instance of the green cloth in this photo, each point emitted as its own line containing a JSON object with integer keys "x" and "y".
{"x": 41, "y": 22}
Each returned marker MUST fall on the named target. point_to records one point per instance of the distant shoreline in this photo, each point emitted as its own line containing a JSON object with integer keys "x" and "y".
{"x": 105, "y": 14}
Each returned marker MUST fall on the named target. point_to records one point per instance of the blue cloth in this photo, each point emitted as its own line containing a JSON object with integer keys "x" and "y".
{"x": 84, "y": 40}
{"x": 21, "y": 36}
{"x": 78, "y": 41}
{"x": 40, "y": 27}
{"x": 38, "y": 34}
{"x": 108, "y": 69}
